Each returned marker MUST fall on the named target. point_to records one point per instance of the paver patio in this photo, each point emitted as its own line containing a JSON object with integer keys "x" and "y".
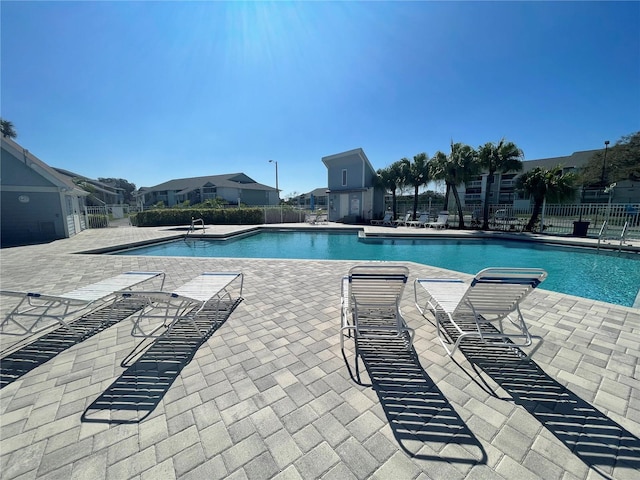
{"x": 269, "y": 394}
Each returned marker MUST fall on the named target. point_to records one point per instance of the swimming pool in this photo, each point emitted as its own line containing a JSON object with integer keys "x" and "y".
{"x": 610, "y": 277}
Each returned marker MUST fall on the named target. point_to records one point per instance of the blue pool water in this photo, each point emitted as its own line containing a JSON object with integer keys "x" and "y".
{"x": 610, "y": 277}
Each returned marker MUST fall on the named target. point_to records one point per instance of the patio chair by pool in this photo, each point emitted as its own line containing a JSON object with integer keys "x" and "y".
{"x": 504, "y": 220}
{"x": 322, "y": 218}
{"x": 35, "y": 308}
{"x": 386, "y": 221}
{"x": 402, "y": 221}
{"x": 207, "y": 295}
{"x": 370, "y": 302}
{"x": 491, "y": 297}
{"x": 421, "y": 222}
{"x": 441, "y": 222}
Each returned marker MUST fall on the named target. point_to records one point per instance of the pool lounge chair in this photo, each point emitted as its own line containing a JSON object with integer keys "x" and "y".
{"x": 441, "y": 222}
{"x": 504, "y": 220}
{"x": 322, "y": 218}
{"x": 402, "y": 221}
{"x": 36, "y": 307}
{"x": 208, "y": 294}
{"x": 370, "y": 302}
{"x": 386, "y": 221}
{"x": 421, "y": 222}
{"x": 492, "y": 296}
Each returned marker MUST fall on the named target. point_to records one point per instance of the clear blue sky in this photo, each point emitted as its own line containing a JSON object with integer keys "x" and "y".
{"x": 151, "y": 91}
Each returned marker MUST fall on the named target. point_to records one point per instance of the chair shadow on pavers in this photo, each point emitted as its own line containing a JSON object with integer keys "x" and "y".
{"x": 25, "y": 358}
{"x": 598, "y": 441}
{"x": 141, "y": 387}
{"x": 424, "y": 423}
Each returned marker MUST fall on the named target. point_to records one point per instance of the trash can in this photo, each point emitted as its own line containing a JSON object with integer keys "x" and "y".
{"x": 580, "y": 228}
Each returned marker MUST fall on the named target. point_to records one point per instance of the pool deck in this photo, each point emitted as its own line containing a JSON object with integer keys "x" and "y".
{"x": 269, "y": 394}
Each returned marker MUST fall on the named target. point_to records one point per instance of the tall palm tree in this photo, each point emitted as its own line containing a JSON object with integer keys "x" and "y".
{"x": 7, "y": 129}
{"x": 504, "y": 157}
{"x": 417, "y": 176}
{"x": 437, "y": 171}
{"x": 543, "y": 184}
{"x": 392, "y": 178}
{"x": 456, "y": 168}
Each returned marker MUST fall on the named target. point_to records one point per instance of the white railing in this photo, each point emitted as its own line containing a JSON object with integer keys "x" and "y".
{"x": 602, "y": 233}
{"x": 623, "y": 234}
{"x": 559, "y": 219}
{"x": 96, "y": 216}
{"x": 623, "y": 220}
{"x": 101, "y": 216}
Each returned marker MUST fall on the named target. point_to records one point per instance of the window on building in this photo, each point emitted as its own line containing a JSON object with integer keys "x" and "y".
{"x": 209, "y": 192}
{"x": 344, "y": 178}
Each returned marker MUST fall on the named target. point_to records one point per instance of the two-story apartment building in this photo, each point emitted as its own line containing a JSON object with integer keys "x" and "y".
{"x": 100, "y": 193}
{"x": 233, "y": 189}
{"x": 353, "y": 193}
{"x": 318, "y": 198}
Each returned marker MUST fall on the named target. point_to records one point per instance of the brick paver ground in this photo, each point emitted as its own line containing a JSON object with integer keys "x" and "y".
{"x": 269, "y": 393}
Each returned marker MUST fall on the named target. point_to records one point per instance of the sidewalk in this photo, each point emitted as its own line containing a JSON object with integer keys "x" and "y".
{"x": 270, "y": 395}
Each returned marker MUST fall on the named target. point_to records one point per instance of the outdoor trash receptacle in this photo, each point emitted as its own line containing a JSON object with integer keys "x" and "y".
{"x": 580, "y": 229}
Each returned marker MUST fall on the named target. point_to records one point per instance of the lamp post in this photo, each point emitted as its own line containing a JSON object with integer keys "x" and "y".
{"x": 277, "y": 190}
{"x": 604, "y": 164}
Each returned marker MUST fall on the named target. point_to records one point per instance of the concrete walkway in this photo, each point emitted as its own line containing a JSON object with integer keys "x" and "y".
{"x": 270, "y": 395}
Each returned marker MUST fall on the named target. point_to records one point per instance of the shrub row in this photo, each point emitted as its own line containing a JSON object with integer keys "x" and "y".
{"x": 210, "y": 216}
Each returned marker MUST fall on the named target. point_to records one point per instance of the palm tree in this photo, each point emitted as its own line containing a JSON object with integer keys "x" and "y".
{"x": 503, "y": 157}
{"x": 437, "y": 170}
{"x": 393, "y": 177}
{"x": 545, "y": 184}
{"x": 456, "y": 168}
{"x": 7, "y": 129}
{"x": 418, "y": 175}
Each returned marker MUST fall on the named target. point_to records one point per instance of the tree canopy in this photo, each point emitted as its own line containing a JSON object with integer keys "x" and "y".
{"x": 417, "y": 176}
{"x": 543, "y": 184}
{"x": 622, "y": 163}
{"x": 7, "y": 128}
{"x": 127, "y": 186}
{"x": 455, "y": 169}
{"x": 502, "y": 157}
{"x": 394, "y": 177}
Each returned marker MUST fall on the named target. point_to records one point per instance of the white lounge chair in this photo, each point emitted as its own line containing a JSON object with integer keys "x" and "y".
{"x": 370, "y": 301}
{"x": 441, "y": 222}
{"x": 322, "y": 219}
{"x": 35, "y": 307}
{"x": 386, "y": 221}
{"x": 422, "y": 220}
{"x": 208, "y": 294}
{"x": 402, "y": 221}
{"x": 492, "y": 296}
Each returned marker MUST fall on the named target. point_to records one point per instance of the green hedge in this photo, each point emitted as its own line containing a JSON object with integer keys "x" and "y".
{"x": 170, "y": 216}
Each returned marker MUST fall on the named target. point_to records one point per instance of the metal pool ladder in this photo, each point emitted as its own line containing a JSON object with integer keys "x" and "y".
{"x": 623, "y": 234}
{"x": 192, "y": 228}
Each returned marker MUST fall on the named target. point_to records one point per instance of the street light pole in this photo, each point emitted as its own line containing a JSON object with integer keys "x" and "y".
{"x": 604, "y": 164}
{"x": 277, "y": 190}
